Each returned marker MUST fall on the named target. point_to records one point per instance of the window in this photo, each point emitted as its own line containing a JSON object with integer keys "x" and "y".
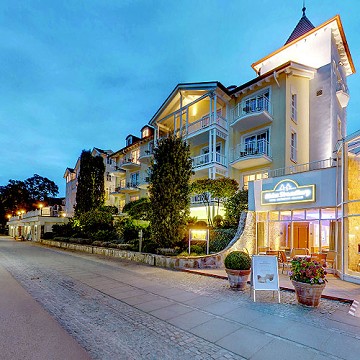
{"x": 134, "y": 179}
{"x": 135, "y": 156}
{"x": 253, "y": 177}
{"x": 256, "y": 144}
{"x": 108, "y": 177}
{"x": 293, "y": 147}
{"x": 128, "y": 140}
{"x": 109, "y": 161}
{"x": 339, "y": 131}
{"x": 294, "y": 107}
{"x": 205, "y": 151}
{"x": 145, "y": 132}
{"x": 256, "y": 103}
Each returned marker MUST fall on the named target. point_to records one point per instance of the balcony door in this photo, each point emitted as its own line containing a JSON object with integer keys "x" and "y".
{"x": 257, "y": 143}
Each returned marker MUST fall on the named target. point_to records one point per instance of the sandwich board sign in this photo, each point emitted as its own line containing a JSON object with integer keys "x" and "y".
{"x": 265, "y": 274}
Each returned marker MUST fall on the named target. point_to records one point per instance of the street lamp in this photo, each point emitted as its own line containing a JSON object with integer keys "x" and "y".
{"x": 40, "y": 207}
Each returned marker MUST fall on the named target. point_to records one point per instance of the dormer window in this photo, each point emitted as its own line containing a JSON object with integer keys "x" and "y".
{"x": 129, "y": 140}
{"x": 145, "y": 132}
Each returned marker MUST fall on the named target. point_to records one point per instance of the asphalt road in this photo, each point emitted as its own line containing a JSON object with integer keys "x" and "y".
{"x": 53, "y": 301}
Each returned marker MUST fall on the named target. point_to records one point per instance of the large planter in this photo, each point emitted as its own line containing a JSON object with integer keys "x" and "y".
{"x": 238, "y": 278}
{"x": 308, "y": 294}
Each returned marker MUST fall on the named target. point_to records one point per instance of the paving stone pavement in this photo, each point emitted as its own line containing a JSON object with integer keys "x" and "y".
{"x": 122, "y": 310}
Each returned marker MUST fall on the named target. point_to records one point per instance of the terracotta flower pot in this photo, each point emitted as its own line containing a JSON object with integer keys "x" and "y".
{"x": 308, "y": 294}
{"x": 238, "y": 278}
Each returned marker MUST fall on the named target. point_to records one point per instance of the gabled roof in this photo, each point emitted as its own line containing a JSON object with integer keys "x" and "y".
{"x": 205, "y": 85}
{"x": 340, "y": 40}
{"x": 304, "y": 25}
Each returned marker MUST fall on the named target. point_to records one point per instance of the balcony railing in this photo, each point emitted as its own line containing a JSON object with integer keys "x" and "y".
{"x": 128, "y": 185}
{"x": 298, "y": 168}
{"x": 251, "y": 148}
{"x": 251, "y": 106}
{"x": 199, "y": 199}
{"x": 206, "y": 159}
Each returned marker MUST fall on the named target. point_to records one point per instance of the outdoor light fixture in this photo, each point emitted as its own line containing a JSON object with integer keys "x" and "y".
{"x": 199, "y": 234}
{"x": 40, "y": 207}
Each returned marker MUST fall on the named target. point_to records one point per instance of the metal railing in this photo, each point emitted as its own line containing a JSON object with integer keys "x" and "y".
{"x": 298, "y": 168}
{"x": 199, "y": 199}
{"x": 128, "y": 185}
{"x": 206, "y": 159}
{"x": 250, "y": 148}
{"x": 251, "y": 106}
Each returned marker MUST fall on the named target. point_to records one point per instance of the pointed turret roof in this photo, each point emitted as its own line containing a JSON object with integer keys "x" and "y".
{"x": 303, "y": 26}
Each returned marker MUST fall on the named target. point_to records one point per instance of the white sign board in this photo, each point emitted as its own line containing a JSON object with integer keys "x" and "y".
{"x": 265, "y": 273}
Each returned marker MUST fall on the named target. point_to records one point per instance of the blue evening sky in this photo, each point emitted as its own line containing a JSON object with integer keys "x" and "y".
{"x": 82, "y": 73}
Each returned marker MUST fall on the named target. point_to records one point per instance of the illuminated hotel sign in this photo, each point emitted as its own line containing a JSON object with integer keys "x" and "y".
{"x": 288, "y": 191}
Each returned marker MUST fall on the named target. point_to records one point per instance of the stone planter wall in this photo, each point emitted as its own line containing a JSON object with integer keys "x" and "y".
{"x": 244, "y": 238}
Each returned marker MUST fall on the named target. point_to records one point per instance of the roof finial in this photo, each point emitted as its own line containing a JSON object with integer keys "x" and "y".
{"x": 304, "y": 8}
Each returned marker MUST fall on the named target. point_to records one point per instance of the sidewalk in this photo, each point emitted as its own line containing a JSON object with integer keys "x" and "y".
{"x": 335, "y": 289}
{"x": 27, "y": 331}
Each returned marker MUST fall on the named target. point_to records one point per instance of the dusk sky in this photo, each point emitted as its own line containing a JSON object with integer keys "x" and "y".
{"x": 80, "y": 74}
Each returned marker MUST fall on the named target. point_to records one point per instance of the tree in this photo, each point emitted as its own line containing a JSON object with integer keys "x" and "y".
{"x": 234, "y": 206}
{"x": 90, "y": 189}
{"x": 214, "y": 189}
{"x": 25, "y": 195}
{"x": 169, "y": 190}
{"x": 41, "y": 188}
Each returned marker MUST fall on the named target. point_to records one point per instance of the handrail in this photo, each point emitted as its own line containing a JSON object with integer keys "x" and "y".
{"x": 251, "y": 106}
{"x": 250, "y": 148}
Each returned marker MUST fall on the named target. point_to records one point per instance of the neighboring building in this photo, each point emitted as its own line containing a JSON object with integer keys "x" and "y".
{"x": 33, "y": 224}
{"x": 71, "y": 177}
{"x": 131, "y": 168}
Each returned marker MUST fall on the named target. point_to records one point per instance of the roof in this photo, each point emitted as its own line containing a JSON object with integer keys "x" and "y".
{"x": 205, "y": 85}
{"x": 304, "y": 25}
{"x": 271, "y": 73}
{"x": 340, "y": 39}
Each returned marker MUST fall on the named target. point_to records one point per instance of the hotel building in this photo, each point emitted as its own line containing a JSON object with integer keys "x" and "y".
{"x": 282, "y": 135}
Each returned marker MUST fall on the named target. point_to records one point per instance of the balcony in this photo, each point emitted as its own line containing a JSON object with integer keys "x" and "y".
{"x": 250, "y": 154}
{"x": 206, "y": 198}
{"x": 116, "y": 171}
{"x": 144, "y": 183}
{"x": 251, "y": 113}
{"x": 146, "y": 155}
{"x": 130, "y": 164}
{"x": 126, "y": 188}
{"x": 206, "y": 159}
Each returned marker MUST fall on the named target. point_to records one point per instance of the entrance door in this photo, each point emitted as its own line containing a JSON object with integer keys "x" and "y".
{"x": 301, "y": 235}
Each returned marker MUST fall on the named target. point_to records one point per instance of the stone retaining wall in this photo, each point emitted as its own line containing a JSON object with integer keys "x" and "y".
{"x": 244, "y": 238}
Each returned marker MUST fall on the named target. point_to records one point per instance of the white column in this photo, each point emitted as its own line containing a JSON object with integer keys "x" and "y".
{"x": 215, "y": 103}
{"x": 181, "y": 132}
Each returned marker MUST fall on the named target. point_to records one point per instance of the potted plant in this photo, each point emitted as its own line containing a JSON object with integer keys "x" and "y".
{"x": 237, "y": 266}
{"x": 309, "y": 280}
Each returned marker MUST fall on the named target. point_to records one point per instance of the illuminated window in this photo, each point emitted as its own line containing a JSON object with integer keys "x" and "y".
{"x": 294, "y": 107}
{"x": 134, "y": 198}
{"x": 253, "y": 177}
{"x": 145, "y": 132}
{"x": 293, "y": 146}
{"x": 339, "y": 131}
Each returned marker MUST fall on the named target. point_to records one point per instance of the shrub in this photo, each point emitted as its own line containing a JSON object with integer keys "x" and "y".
{"x": 197, "y": 249}
{"x": 95, "y": 220}
{"x": 80, "y": 241}
{"x": 63, "y": 230}
{"x": 61, "y": 238}
{"x": 220, "y": 239}
{"x": 138, "y": 209}
{"x": 237, "y": 260}
{"x": 104, "y": 235}
{"x": 48, "y": 236}
{"x": 218, "y": 221}
{"x": 234, "y": 206}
